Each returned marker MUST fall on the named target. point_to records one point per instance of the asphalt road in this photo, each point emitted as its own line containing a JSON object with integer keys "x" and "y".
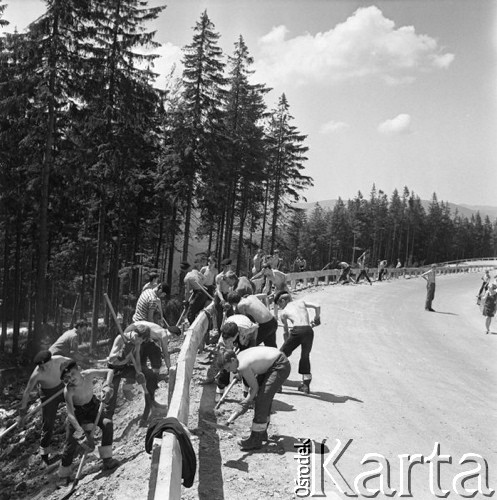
{"x": 396, "y": 380}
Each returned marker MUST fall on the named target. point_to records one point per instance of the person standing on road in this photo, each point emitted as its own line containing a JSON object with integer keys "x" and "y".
{"x": 489, "y": 305}
{"x": 429, "y": 276}
{"x": 345, "y": 276}
{"x": 241, "y": 284}
{"x": 382, "y": 269}
{"x": 264, "y": 369}
{"x": 363, "y": 263}
{"x": 301, "y": 333}
{"x": 276, "y": 278}
{"x": 47, "y": 376}
{"x": 252, "y": 307}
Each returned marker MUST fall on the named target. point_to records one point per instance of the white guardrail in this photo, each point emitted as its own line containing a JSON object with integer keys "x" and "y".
{"x": 165, "y": 476}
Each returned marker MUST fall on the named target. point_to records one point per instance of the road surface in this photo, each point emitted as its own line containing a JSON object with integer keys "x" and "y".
{"x": 396, "y": 380}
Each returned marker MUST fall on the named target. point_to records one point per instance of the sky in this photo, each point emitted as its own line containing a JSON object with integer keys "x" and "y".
{"x": 392, "y": 93}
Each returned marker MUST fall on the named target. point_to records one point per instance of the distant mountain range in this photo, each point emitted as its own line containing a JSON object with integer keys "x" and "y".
{"x": 463, "y": 210}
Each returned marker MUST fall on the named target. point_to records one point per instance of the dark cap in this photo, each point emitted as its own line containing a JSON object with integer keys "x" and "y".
{"x": 66, "y": 368}
{"x": 184, "y": 266}
{"x": 42, "y": 357}
{"x": 226, "y": 262}
{"x": 174, "y": 330}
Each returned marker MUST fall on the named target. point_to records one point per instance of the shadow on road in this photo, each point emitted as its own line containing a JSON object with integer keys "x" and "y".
{"x": 209, "y": 461}
{"x": 444, "y": 312}
{"x": 324, "y": 396}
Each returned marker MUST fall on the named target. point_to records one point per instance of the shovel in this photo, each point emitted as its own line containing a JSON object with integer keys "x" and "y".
{"x": 227, "y": 428}
{"x": 32, "y": 411}
{"x": 83, "y": 458}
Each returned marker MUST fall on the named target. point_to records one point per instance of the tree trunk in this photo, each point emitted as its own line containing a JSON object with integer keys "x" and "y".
{"x": 171, "y": 248}
{"x": 5, "y": 290}
{"x": 264, "y": 215}
{"x": 17, "y": 290}
{"x": 44, "y": 195}
{"x": 97, "y": 287}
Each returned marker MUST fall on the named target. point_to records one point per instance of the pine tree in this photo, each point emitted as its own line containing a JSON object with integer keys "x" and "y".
{"x": 203, "y": 97}
{"x": 286, "y": 157}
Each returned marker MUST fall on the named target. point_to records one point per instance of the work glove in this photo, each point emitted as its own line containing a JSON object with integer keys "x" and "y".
{"x": 108, "y": 392}
{"x": 140, "y": 378}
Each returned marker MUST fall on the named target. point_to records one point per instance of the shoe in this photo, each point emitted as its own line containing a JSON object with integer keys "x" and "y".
{"x": 487, "y": 332}
{"x": 109, "y": 463}
{"x": 304, "y": 388}
{"x": 431, "y": 310}
{"x": 253, "y": 442}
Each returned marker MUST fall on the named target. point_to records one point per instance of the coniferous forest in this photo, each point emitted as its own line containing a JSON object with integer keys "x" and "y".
{"x": 107, "y": 171}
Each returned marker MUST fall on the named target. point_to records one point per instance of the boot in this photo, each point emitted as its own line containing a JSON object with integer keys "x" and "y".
{"x": 305, "y": 385}
{"x": 253, "y": 442}
{"x": 109, "y": 463}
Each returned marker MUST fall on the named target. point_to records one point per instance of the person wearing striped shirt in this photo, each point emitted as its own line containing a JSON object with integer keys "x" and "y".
{"x": 149, "y": 305}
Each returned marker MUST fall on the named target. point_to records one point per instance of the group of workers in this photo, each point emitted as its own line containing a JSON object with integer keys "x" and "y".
{"x": 61, "y": 372}
{"x": 138, "y": 353}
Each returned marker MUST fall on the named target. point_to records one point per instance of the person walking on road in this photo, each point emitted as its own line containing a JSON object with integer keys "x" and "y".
{"x": 300, "y": 334}
{"x": 486, "y": 278}
{"x": 489, "y": 305}
{"x": 429, "y": 276}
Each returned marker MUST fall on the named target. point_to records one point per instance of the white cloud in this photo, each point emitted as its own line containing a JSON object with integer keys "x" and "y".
{"x": 169, "y": 57}
{"x": 366, "y": 44}
{"x": 332, "y": 127}
{"x": 400, "y": 125}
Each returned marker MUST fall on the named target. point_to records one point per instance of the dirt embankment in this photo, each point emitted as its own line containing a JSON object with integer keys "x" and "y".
{"x": 223, "y": 471}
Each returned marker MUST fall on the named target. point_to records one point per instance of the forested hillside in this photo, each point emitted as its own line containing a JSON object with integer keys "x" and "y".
{"x": 106, "y": 174}
{"x": 101, "y": 172}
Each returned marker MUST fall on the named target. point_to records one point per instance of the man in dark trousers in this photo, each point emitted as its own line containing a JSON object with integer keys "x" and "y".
{"x": 47, "y": 376}
{"x": 429, "y": 276}
{"x": 363, "y": 262}
{"x": 300, "y": 334}
{"x": 264, "y": 369}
